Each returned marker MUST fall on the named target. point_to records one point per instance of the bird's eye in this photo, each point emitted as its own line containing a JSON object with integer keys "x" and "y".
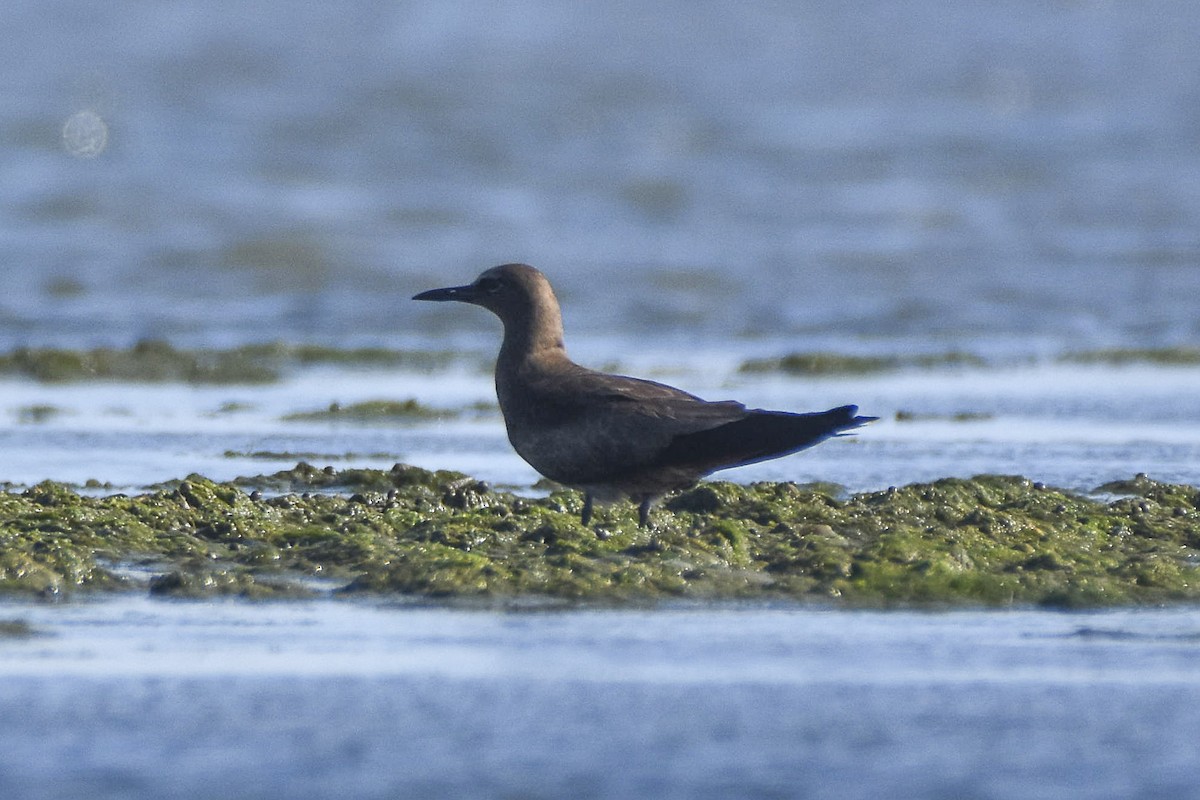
{"x": 489, "y": 285}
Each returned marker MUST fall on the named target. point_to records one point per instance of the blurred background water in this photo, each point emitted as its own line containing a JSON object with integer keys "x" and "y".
{"x": 1018, "y": 176}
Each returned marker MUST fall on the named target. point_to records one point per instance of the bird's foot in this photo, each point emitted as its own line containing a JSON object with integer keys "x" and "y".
{"x": 586, "y": 515}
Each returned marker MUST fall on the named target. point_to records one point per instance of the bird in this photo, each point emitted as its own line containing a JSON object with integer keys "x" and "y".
{"x": 614, "y": 436}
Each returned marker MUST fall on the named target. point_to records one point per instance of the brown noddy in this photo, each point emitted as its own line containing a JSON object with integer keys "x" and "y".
{"x": 614, "y": 436}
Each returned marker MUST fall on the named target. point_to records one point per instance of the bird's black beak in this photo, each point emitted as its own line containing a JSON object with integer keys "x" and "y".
{"x": 463, "y": 294}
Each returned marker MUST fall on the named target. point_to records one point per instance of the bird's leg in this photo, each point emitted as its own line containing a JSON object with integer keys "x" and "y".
{"x": 586, "y": 516}
{"x": 644, "y": 513}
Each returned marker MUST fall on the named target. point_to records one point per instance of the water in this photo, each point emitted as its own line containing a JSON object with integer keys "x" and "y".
{"x": 704, "y": 184}
{"x": 1074, "y": 428}
{"x": 1020, "y": 176}
{"x": 304, "y": 700}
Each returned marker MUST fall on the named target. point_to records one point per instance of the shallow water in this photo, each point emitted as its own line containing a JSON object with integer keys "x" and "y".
{"x": 136, "y": 698}
{"x": 1071, "y": 427}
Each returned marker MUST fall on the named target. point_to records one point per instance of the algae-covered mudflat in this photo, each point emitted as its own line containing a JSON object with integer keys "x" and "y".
{"x": 989, "y": 540}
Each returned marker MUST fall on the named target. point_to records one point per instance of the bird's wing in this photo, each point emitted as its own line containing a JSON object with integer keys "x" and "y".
{"x": 583, "y": 426}
{"x": 616, "y": 396}
{"x": 758, "y": 436}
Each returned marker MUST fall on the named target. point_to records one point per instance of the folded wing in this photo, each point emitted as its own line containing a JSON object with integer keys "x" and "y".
{"x": 758, "y": 436}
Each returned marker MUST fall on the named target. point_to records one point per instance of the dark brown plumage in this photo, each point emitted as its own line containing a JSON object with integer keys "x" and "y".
{"x": 611, "y": 435}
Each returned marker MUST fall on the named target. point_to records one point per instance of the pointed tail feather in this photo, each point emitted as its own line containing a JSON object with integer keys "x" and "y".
{"x": 853, "y": 421}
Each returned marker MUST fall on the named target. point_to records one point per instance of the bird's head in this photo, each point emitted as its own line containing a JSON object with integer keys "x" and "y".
{"x": 513, "y": 292}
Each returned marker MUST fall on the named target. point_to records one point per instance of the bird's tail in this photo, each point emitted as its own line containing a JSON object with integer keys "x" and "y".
{"x": 762, "y": 435}
{"x": 852, "y": 420}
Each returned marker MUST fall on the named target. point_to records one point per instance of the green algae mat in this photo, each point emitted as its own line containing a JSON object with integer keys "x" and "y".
{"x": 991, "y": 540}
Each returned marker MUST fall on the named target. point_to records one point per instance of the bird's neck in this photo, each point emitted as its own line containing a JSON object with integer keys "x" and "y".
{"x": 535, "y": 338}
{"x": 531, "y": 351}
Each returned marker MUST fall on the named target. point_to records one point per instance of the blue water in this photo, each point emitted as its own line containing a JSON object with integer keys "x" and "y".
{"x": 1073, "y": 428}
{"x": 134, "y": 698}
{"x": 1018, "y": 176}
